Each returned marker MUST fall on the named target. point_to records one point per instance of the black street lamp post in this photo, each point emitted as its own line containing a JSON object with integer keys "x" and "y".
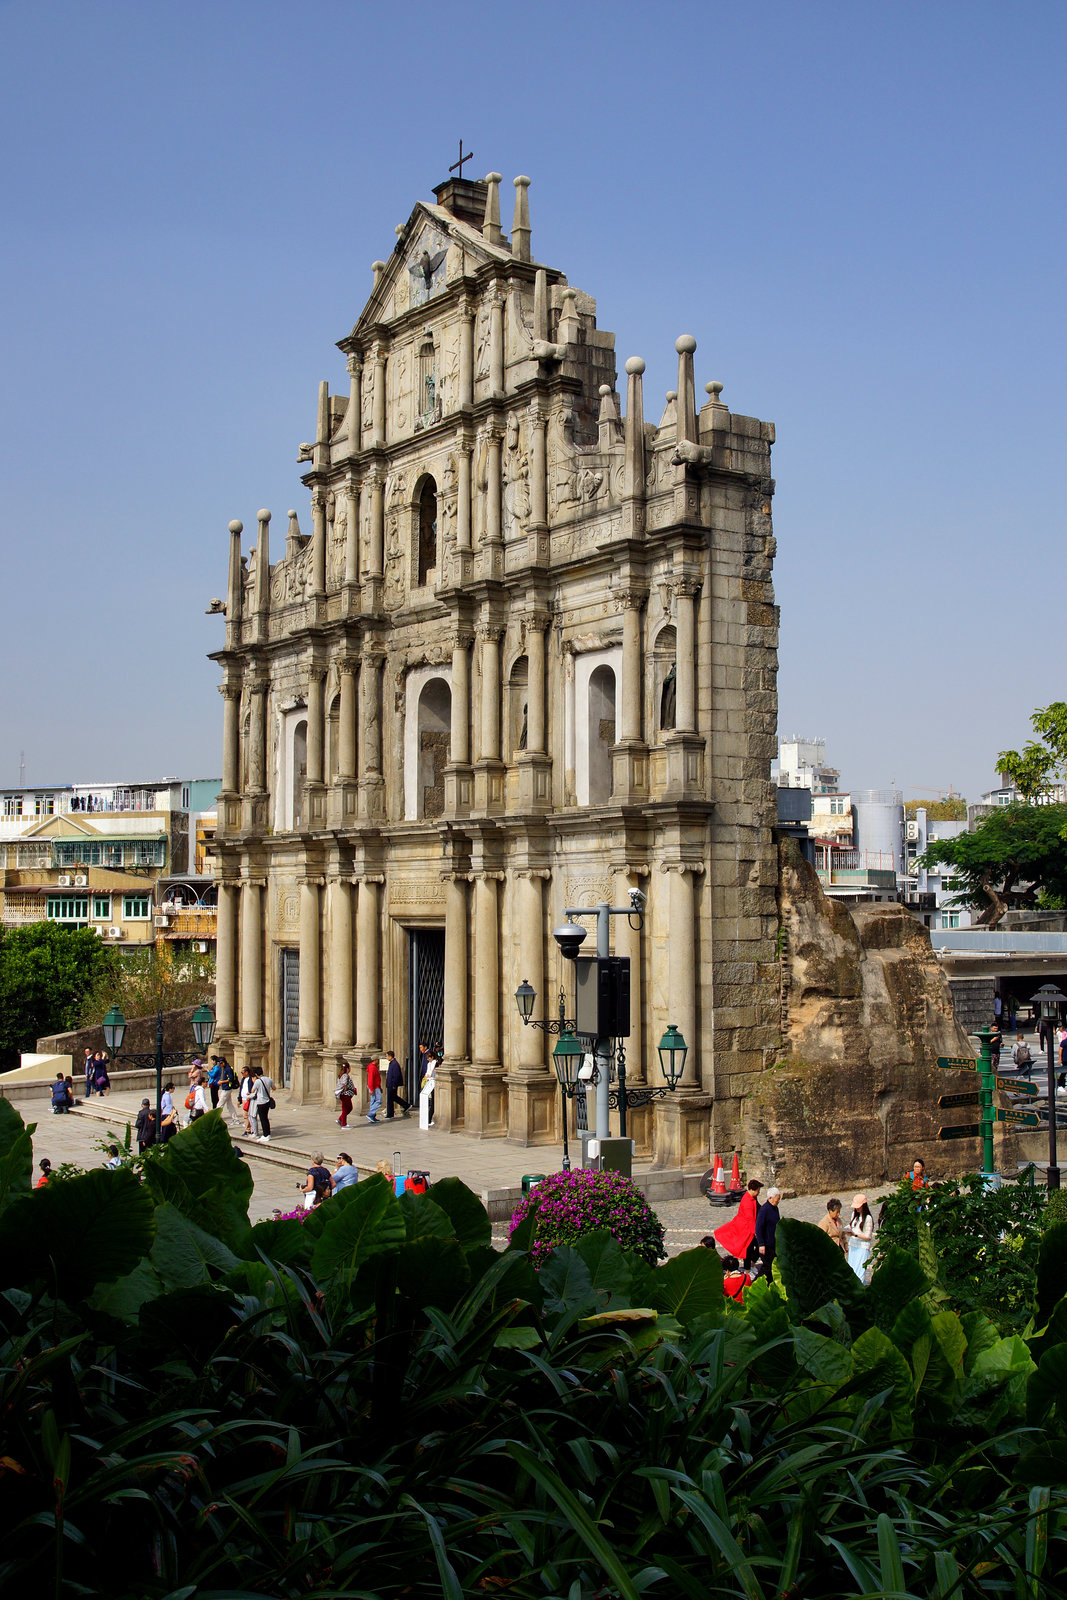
{"x": 1049, "y": 999}
{"x": 672, "y": 1051}
{"x": 203, "y": 1025}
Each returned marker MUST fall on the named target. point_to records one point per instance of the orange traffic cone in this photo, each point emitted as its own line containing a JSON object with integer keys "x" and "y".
{"x": 718, "y": 1185}
{"x": 735, "y": 1174}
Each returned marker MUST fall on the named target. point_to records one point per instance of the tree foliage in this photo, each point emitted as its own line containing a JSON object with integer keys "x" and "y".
{"x": 142, "y": 982}
{"x": 1034, "y": 768}
{"x": 1013, "y": 858}
{"x": 376, "y": 1403}
{"x": 947, "y": 810}
{"x": 46, "y": 971}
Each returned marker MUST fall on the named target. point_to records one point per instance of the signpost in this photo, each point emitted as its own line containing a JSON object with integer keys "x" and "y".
{"x": 966, "y": 1130}
{"x": 957, "y": 1063}
{"x": 1022, "y": 1119}
{"x": 949, "y": 1102}
{"x": 1017, "y": 1086}
{"x": 984, "y": 1098}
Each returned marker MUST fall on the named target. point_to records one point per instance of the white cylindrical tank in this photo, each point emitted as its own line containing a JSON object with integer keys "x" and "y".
{"x": 879, "y": 817}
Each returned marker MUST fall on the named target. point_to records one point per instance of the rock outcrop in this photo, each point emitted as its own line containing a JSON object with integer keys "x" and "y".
{"x": 866, "y": 1011}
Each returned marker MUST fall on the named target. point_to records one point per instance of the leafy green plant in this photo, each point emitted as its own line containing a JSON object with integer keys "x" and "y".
{"x": 568, "y": 1204}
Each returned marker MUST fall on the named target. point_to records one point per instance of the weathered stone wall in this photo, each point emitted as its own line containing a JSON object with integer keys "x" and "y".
{"x": 140, "y": 1036}
{"x": 852, "y": 1098}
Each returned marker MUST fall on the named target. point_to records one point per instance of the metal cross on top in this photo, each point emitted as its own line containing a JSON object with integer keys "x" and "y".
{"x": 457, "y": 166}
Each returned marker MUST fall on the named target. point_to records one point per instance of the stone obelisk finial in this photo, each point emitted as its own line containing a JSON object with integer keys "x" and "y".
{"x": 321, "y": 456}
{"x": 261, "y": 596}
{"x": 520, "y": 228}
{"x": 234, "y": 586}
{"x": 633, "y": 482}
{"x": 687, "y": 400}
{"x": 491, "y": 229}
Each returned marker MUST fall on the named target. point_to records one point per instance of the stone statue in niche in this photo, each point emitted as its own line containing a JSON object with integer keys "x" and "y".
{"x": 668, "y": 698}
{"x": 481, "y": 360}
{"x": 447, "y": 501}
{"x": 336, "y": 566}
{"x": 394, "y": 553}
{"x": 367, "y": 397}
{"x": 524, "y": 730}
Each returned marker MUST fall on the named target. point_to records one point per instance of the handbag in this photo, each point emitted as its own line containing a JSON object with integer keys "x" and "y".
{"x": 272, "y": 1104}
{"x": 190, "y": 1100}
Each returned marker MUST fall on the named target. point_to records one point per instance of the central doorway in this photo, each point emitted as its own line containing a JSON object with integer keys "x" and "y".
{"x": 426, "y": 995}
{"x": 290, "y": 988}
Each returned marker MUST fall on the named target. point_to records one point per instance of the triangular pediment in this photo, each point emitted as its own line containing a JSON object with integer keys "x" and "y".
{"x": 64, "y": 827}
{"x": 436, "y": 250}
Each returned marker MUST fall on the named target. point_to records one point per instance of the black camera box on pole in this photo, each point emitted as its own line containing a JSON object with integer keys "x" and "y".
{"x": 602, "y": 997}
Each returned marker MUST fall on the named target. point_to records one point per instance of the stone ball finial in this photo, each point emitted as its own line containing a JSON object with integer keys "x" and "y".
{"x": 635, "y": 366}
{"x": 685, "y": 345}
{"x": 290, "y": 513}
{"x": 400, "y": 230}
{"x": 715, "y": 390}
{"x": 522, "y": 183}
{"x": 236, "y": 526}
{"x": 672, "y": 394}
{"x": 570, "y": 294}
{"x": 493, "y": 177}
{"x": 263, "y": 516}
{"x": 605, "y": 388}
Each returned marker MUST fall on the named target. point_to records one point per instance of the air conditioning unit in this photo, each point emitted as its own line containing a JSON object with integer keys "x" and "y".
{"x": 64, "y": 880}
{"x": 114, "y": 933}
{"x": 162, "y": 922}
{"x": 81, "y": 881}
{"x": 911, "y": 832}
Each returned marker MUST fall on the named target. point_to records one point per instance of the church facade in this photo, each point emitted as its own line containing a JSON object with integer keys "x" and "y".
{"x": 525, "y": 659}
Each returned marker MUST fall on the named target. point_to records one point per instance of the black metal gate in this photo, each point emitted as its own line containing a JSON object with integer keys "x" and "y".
{"x": 426, "y": 993}
{"x": 290, "y": 985}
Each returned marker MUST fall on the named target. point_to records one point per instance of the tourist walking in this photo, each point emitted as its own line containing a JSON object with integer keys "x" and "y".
{"x": 90, "y": 1072}
{"x": 214, "y": 1072}
{"x": 1021, "y": 1059}
{"x": 227, "y": 1084}
{"x": 262, "y": 1103}
{"x": 101, "y": 1081}
{"x": 145, "y": 1127}
{"x": 831, "y": 1224}
{"x": 767, "y": 1228}
{"x": 860, "y": 1232}
{"x": 199, "y": 1094}
{"x": 996, "y": 1045}
{"x": 735, "y": 1237}
{"x": 394, "y": 1084}
{"x": 374, "y": 1088}
{"x": 917, "y": 1176}
{"x": 344, "y": 1093}
{"x": 244, "y": 1098}
{"x": 426, "y": 1089}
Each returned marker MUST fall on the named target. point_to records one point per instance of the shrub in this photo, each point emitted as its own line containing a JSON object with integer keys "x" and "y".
{"x": 568, "y": 1204}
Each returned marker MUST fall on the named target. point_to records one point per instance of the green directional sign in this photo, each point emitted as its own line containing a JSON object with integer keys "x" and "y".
{"x": 957, "y": 1063}
{"x": 950, "y": 1102}
{"x": 1021, "y": 1119}
{"x": 1017, "y": 1086}
{"x": 966, "y": 1130}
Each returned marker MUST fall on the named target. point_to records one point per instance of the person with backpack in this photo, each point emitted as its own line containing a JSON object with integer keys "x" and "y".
{"x": 227, "y": 1083}
{"x": 1021, "y": 1058}
{"x": 344, "y": 1093}
{"x": 318, "y": 1183}
{"x": 60, "y": 1096}
{"x": 262, "y": 1103}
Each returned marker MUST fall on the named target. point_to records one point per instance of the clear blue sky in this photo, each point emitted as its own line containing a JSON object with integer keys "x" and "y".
{"x": 857, "y": 210}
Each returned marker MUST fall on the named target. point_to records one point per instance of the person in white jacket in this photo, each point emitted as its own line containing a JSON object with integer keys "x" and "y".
{"x": 861, "y": 1235}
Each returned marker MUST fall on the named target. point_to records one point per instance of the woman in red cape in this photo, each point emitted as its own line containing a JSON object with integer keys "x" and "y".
{"x": 736, "y": 1236}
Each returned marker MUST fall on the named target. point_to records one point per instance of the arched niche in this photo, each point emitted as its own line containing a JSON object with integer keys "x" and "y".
{"x": 517, "y": 707}
{"x": 601, "y": 732}
{"x": 426, "y": 530}
{"x": 664, "y": 656}
{"x": 298, "y": 768}
{"x": 434, "y": 746}
{"x": 333, "y": 723}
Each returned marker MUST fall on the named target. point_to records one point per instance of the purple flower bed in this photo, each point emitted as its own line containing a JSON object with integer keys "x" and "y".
{"x": 572, "y": 1203}
{"x": 299, "y": 1215}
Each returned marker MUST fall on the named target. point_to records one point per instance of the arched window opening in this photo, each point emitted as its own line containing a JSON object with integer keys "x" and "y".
{"x": 333, "y": 723}
{"x": 427, "y": 530}
{"x": 299, "y": 771}
{"x": 427, "y": 380}
{"x": 434, "y": 750}
{"x": 601, "y": 733}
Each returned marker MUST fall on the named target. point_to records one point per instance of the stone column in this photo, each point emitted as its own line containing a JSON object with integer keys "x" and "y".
{"x": 341, "y": 1015}
{"x": 257, "y": 737}
{"x": 466, "y": 353}
{"x": 493, "y": 488}
{"x": 536, "y": 623}
{"x": 251, "y": 960}
{"x": 463, "y": 499}
{"x": 632, "y": 720}
{"x": 318, "y": 543}
{"x": 231, "y": 735}
{"x": 226, "y": 960}
{"x": 486, "y": 970}
{"x": 371, "y": 783}
{"x": 346, "y": 731}
{"x": 376, "y": 539}
{"x": 352, "y": 533}
{"x": 378, "y": 429}
{"x": 685, "y": 626}
{"x": 310, "y": 961}
{"x": 538, "y": 470}
{"x": 368, "y": 985}
{"x": 687, "y": 402}
{"x": 490, "y": 663}
{"x": 496, "y": 341}
{"x": 316, "y": 724}
{"x": 529, "y": 910}
{"x": 682, "y": 977}
{"x": 459, "y": 741}
{"x": 456, "y": 933}
{"x": 355, "y": 404}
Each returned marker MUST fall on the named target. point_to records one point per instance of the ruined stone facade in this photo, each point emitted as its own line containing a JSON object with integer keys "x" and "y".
{"x": 866, "y": 1011}
{"x": 525, "y": 659}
